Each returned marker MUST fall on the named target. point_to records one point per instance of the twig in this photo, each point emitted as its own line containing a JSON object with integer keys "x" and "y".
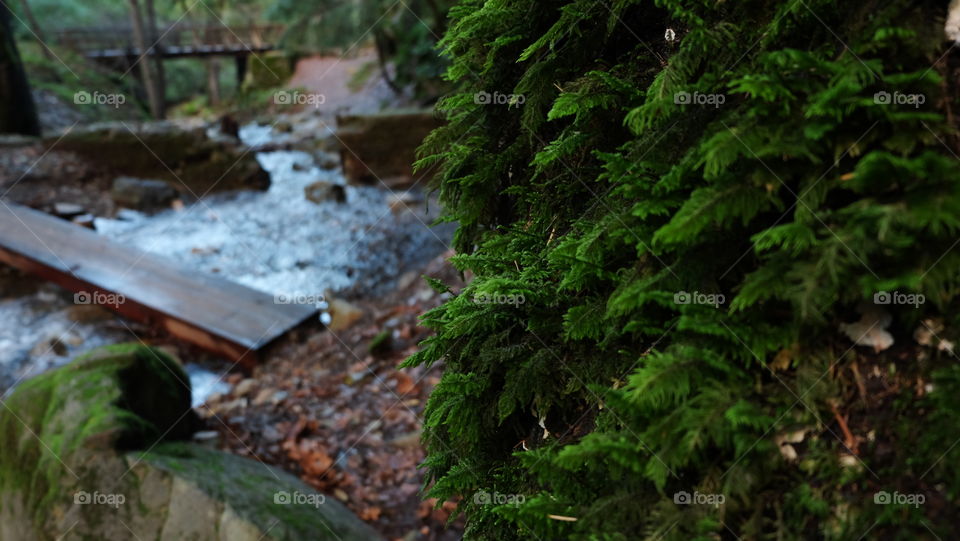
{"x": 851, "y": 440}
{"x": 858, "y": 378}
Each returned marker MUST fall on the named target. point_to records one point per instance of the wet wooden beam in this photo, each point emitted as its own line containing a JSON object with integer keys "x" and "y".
{"x": 223, "y": 317}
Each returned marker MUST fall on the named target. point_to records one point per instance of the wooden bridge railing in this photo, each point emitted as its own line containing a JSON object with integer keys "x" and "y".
{"x": 180, "y": 36}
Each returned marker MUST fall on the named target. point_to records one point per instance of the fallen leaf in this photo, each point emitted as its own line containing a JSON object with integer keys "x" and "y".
{"x": 405, "y": 383}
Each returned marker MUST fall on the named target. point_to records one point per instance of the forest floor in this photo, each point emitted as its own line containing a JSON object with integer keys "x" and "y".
{"x": 335, "y": 408}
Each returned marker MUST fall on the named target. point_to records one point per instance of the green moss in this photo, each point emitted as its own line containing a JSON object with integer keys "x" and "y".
{"x": 666, "y": 154}
{"x": 62, "y": 77}
{"x": 271, "y": 70}
{"x": 249, "y": 487}
{"x": 123, "y": 396}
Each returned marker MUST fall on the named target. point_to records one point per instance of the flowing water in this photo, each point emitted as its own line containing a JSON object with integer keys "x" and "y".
{"x": 275, "y": 241}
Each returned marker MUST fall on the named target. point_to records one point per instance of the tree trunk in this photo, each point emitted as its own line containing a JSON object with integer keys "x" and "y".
{"x": 18, "y": 114}
{"x": 241, "y": 61}
{"x": 154, "y": 92}
{"x": 153, "y": 34}
{"x": 380, "y": 41}
{"x": 37, "y": 30}
{"x": 213, "y": 81}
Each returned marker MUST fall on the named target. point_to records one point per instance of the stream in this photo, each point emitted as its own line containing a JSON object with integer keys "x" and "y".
{"x": 275, "y": 241}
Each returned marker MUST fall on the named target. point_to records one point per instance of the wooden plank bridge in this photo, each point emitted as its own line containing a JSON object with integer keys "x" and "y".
{"x": 177, "y": 41}
{"x": 222, "y": 317}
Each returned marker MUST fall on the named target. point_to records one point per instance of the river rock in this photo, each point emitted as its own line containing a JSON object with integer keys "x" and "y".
{"x": 342, "y": 314}
{"x": 229, "y": 127}
{"x": 327, "y": 160}
{"x": 188, "y": 159}
{"x": 88, "y": 313}
{"x": 68, "y": 210}
{"x": 142, "y": 194}
{"x": 244, "y": 387}
{"x": 99, "y": 449}
{"x": 402, "y": 202}
{"x": 326, "y": 140}
{"x": 51, "y": 344}
{"x": 85, "y": 220}
{"x": 322, "y": 191}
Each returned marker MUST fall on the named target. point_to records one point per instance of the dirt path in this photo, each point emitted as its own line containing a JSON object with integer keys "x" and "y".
{"x": 335, "y": 78}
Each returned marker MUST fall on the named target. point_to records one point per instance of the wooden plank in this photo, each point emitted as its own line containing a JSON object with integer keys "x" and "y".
{"x": 218, "y": 315}
{"x": 180, "y": 52}
{"x": 121, "y": 37}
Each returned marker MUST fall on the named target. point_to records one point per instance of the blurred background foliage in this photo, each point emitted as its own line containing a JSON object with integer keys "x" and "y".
{"x": 404, "y": 34}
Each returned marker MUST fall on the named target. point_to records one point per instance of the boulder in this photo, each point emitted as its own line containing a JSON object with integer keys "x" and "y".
{"x": 382, "y": 147}
{"x": 142, "y": 194}
{"x": 188, "y": 159}
{"x": 214, "y": 495}
{"x": 99, "y": 449}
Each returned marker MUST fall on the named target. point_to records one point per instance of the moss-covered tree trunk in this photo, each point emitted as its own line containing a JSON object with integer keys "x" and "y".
{"x": 18, "y": 114}
{"x": 716, "y": 266}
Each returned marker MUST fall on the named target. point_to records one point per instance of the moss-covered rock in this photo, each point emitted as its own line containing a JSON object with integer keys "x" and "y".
{"x": 124, "y": 396}
{"x": 90, "y": 452}
{"x": 382, "y": 147}
{"x": 187, "y": 159}
{"x": 250, "y": 493}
